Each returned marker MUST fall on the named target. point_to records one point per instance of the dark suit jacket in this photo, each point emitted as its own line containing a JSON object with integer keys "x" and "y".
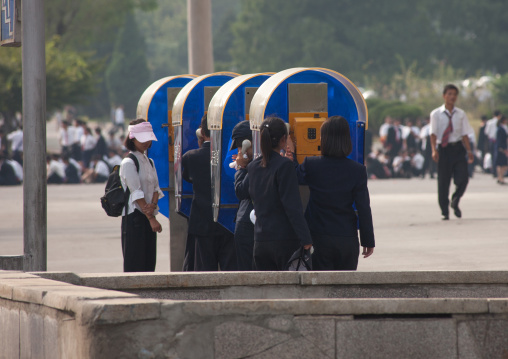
{"x": 242, "y": 193}
{"x": 196, "y": 170}
{"x": 335, "y": 184}
{"x": 276, "y": 198}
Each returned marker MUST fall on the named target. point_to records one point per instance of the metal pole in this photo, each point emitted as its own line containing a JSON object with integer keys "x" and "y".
{"x": 34, "y": 136}
{"x": 199, "y": 34}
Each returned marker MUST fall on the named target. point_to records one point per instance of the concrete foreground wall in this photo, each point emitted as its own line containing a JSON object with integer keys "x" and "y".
{"x": 44, "y": 318}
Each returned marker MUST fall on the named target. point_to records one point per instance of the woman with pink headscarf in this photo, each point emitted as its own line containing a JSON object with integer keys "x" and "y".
{"x": 139, "y": 178}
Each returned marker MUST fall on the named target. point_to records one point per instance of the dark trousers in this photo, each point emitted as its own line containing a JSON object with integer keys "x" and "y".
{"x": 190, "y": 248}
{"x": 139, "y": 243}
{"x": 87, "y": 156}
{"x": 334, "y": 252}
{"x": 54, "y": 179}
{"x": 244, "y": 244}
{"x": 76, "y": 152}
{"x": 452, "y": 164}
{"x": 214, "y": 252}
{"x": 493, "y": 152}
{"x": 273, "y": 255}
{"x": 429, "y": 164}
{"x": 18, "y": 157}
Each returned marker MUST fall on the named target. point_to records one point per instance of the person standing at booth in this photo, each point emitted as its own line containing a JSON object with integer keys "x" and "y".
{"x": 449, "y": 131}
{"x": 337, "y": 183}
{"x": 280, "y": 227}
{"x": 244, "y": 229}
{"x": 214, "y": 245}
{"x": 502, "y": 150}
{"x": 139, "y": 224}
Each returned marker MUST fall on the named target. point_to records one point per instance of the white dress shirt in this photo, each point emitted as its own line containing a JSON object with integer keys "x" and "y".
{"x": 491, "y": 129}
{"x": 113, "y": 161}
{"x": 141, "y": 185}
{"x": 79, "y": 132}
{"x": 56, "y": 167}
{"x": 383, "y": 129}
{"x": 119, "y": 116}
{"x": 101, "y": 168}
{"x": 439, "y": 121}
{"x": 16, "y": 139}
{"x": 64, "y": 137}
{"x": 88, "y": 142}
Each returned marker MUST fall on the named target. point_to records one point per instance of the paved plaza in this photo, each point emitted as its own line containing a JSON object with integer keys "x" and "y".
{"x": 409, "y": 232}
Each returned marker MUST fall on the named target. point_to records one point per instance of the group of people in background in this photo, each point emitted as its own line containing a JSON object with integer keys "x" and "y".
{"x": 86, "y": 155}
{"x": 406, "y": 151}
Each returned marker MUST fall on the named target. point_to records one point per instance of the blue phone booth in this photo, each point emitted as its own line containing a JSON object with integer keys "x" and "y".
{"x": 229, "y": 106}
{"x": 304, "y": 98}
{"x": 155, "y": 106}
{"x": 189, "y": 107}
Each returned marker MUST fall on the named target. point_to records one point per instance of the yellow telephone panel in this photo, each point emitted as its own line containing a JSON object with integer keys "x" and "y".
{"x": 306, "y": 133}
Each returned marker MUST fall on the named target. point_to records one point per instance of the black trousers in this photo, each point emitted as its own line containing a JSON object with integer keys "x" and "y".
{"x": 190, "y": 249}
{"x": 214, "y": 252}
{"x": 139, "y": 243}
{"x": 244, "y": 244}
{"x": 452, "y": 164}
{"x": 334, "y": 252}
{"x": 273, "y": 255}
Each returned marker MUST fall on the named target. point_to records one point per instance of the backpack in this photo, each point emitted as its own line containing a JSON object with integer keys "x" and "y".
{"x": 115, "y": 198}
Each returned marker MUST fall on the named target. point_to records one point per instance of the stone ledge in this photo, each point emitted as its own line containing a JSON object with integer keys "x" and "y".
{"x": 333, "y": 307}
{"x": 423, "y": 277}
{"x": 225, "y": 279}
{"x": 119, "y": 310}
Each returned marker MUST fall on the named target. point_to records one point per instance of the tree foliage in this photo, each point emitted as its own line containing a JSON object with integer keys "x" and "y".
{"x": 368, "y": 37}
{"x": 127, "y": 75}
{"x": 70, "y": 77}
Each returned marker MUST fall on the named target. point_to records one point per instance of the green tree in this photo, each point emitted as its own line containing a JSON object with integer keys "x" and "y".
{"x": 70, "y": 78}
{"x": 127, "y": 75}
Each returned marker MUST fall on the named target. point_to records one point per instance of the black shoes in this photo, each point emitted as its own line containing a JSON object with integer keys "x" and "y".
{"x": 456, "y": 210}
{"x": 445, "y": 217}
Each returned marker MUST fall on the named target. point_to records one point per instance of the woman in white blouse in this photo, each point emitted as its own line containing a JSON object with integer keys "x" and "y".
{"x": 139, "y": 224}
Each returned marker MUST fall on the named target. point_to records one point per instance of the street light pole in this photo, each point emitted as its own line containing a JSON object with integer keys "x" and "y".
{"x": 199, "y": 35}
{"x": 34, "y": 136}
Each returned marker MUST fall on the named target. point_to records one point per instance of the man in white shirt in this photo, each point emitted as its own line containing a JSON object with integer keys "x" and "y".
{"x": 491, "y": 133}
{"x": 449, "y": 131}
{"x": 65, "y": 138}
{"x": 16, "y": 139}
{"x": 120, "y": 119}
{"x": 55, "y": 170}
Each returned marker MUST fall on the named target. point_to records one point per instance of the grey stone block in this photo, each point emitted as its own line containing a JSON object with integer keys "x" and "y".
{"x": 51, "y": 350}
{"x": 238, "y": 340}
{"x": 379, "y": 339}
{"x": 320, "y": 331}
{"x": 468, "y": 345}
{"x": 176, "y": 294}
{"x": 31, "y": 330}
{"x": 498, "y": 305}
{"x": 114, "y": 311}
{"x": 295, "y": 348}
{"x": 489, "y": 338}
{"x": 223, "y": 279}
{"x": 9, "y": 333}
{"x": 67, "y": 277}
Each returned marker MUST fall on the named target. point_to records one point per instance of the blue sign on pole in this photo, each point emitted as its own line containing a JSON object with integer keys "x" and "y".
{"x": 10, "y": 23}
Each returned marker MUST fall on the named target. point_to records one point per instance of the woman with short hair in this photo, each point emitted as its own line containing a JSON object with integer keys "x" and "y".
{"x": 337, "y": 184}
{"x": 280, "y": 227}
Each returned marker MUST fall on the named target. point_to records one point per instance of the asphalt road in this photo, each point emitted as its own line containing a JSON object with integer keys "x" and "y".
{"x": 409, "y": 232}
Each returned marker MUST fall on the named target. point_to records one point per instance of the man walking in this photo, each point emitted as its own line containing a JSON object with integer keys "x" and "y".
{"x": 449, "y": 130}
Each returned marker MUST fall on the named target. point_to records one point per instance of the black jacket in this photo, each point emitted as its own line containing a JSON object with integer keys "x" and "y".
{"x": 335, "y": 184}
{"x": 501, "y": 138}
{"x": 7, "y": 175}
{"x": 196, "y": 170}
{"x": 276, "y": 198}
{"x": 242, "y": 193}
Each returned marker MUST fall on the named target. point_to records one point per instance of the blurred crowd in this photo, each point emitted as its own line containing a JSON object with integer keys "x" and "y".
{"x": 405, "y": 150}
{"x": 86, "y": 155}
